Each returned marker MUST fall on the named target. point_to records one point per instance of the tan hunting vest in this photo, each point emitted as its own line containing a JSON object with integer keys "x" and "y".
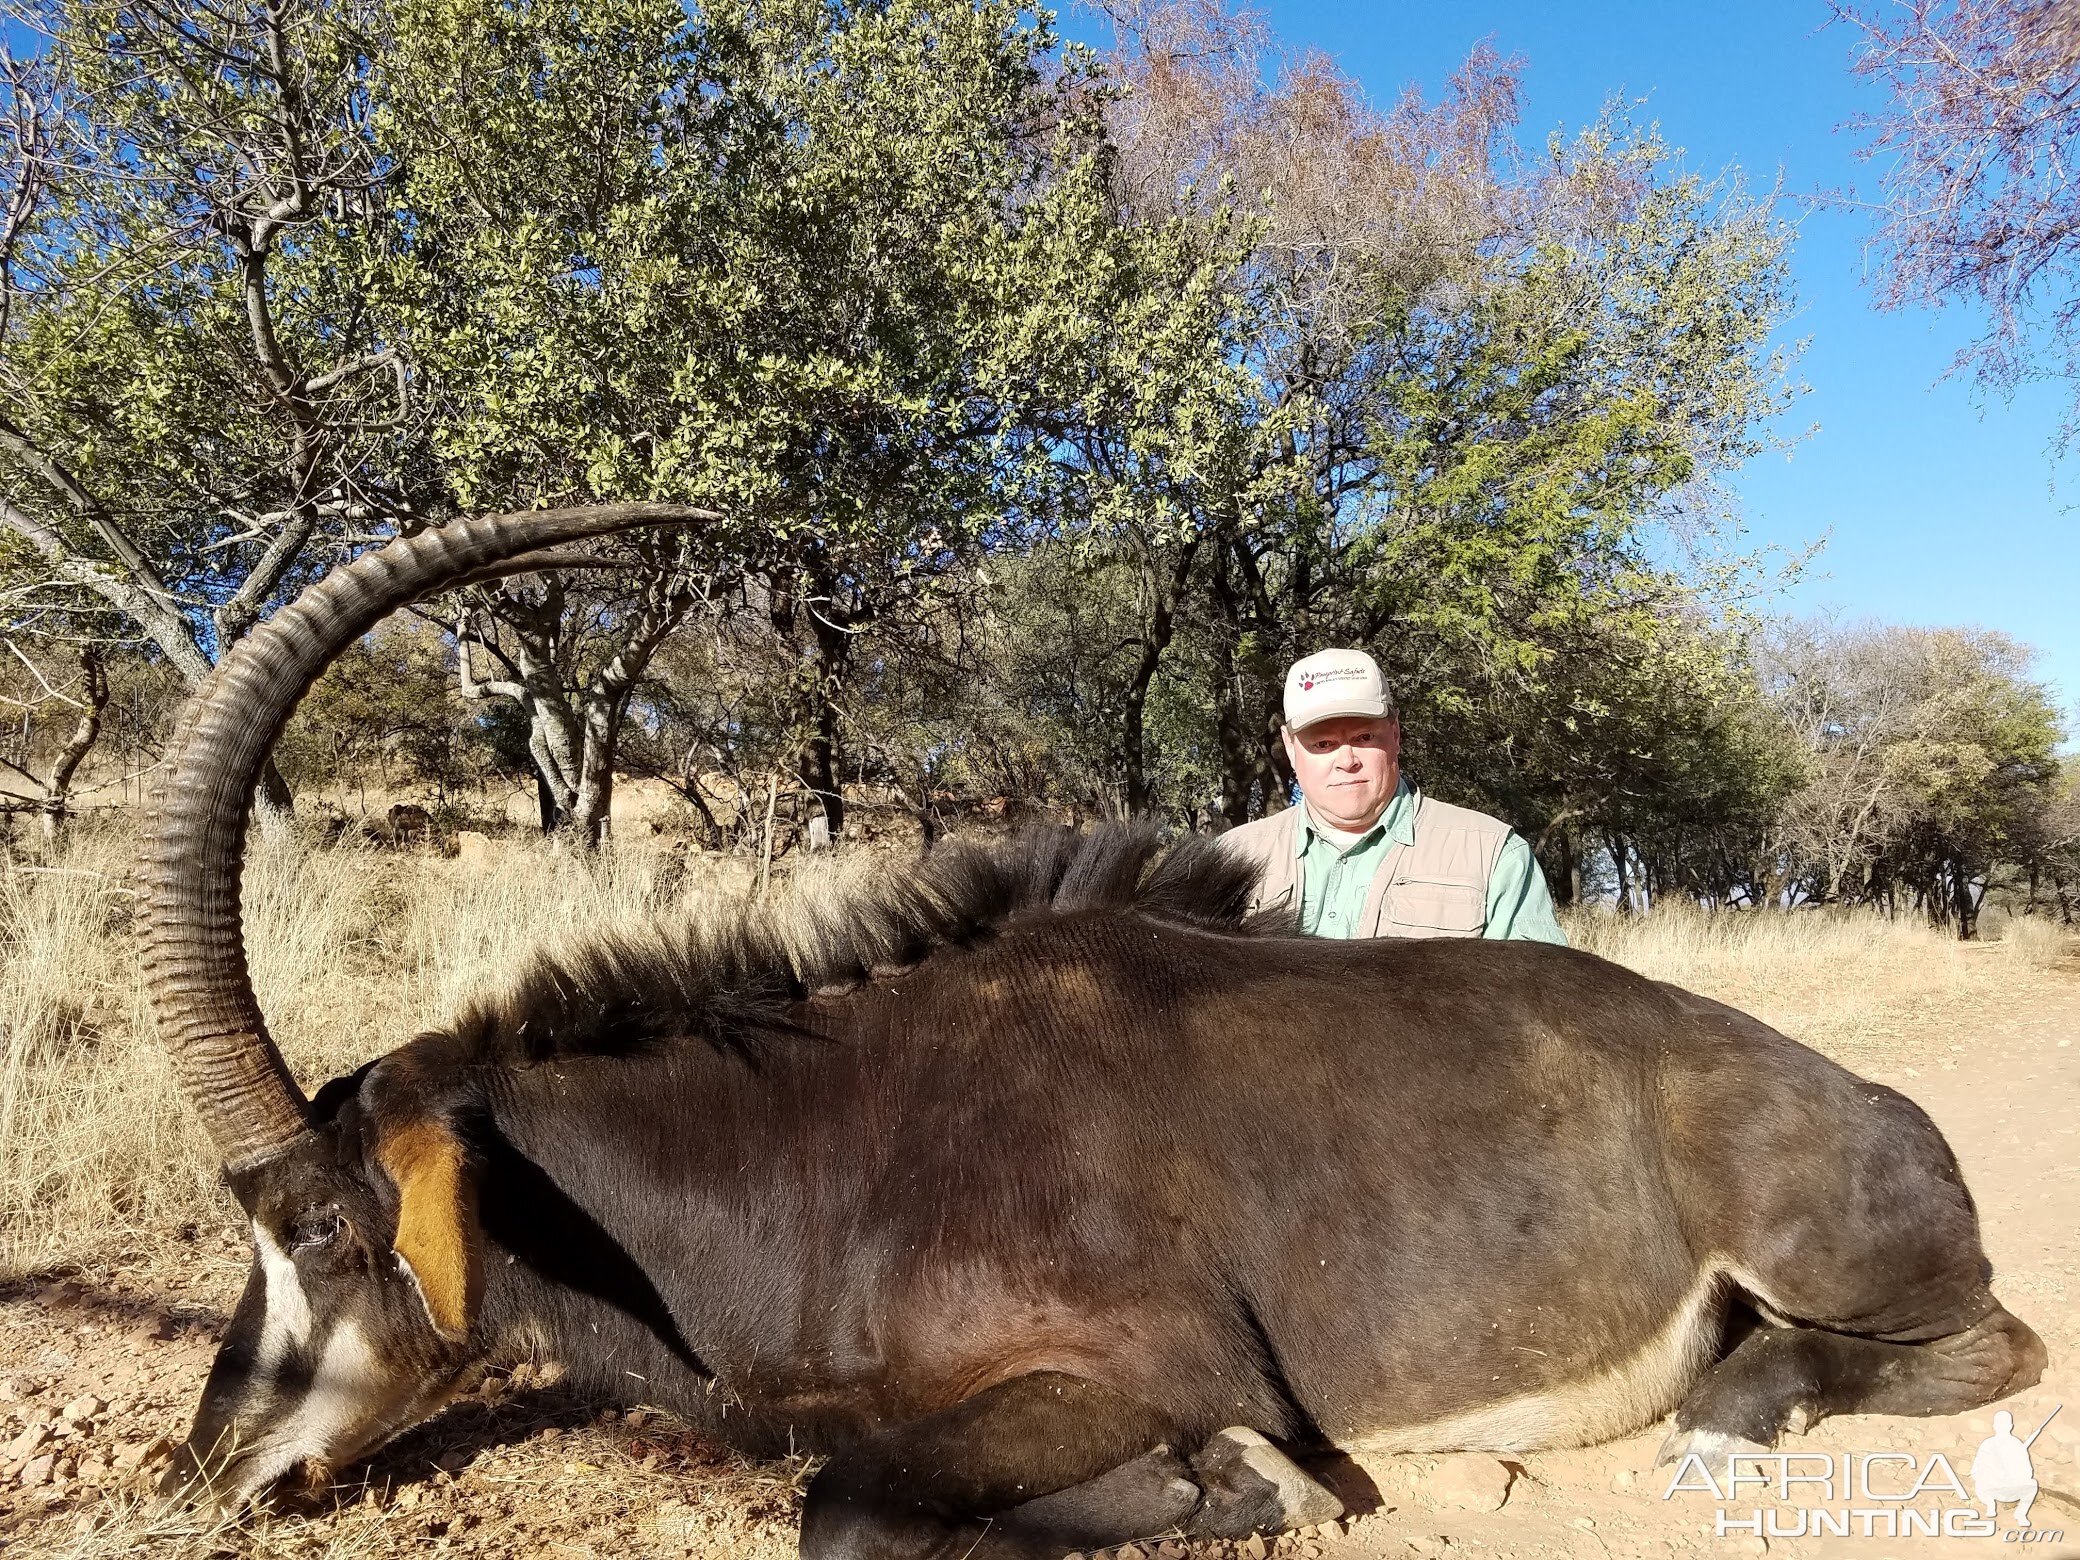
{"x": 1433, "y": 886}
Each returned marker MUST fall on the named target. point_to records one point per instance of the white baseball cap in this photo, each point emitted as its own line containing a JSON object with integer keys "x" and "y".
{"x": 1330, "y": 683}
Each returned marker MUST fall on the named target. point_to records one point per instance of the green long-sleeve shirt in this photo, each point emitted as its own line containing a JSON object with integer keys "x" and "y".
{"x": 1335, "y": 880}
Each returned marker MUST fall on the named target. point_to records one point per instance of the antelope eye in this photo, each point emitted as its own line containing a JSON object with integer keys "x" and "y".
{"x": 318, "y": 1227}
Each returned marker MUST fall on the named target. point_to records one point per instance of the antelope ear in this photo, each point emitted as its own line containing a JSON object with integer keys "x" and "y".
{"x": 439, "y": 1241}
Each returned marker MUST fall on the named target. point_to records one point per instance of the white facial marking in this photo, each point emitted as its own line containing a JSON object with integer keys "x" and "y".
{"x": 344, "y": 1402}
{"x": 285, "y": 1319}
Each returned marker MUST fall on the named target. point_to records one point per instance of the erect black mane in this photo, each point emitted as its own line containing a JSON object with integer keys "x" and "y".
{"x": 624, "y": 991}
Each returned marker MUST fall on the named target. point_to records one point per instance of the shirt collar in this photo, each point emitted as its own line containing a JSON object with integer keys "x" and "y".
{"x": 1399, "y": 821}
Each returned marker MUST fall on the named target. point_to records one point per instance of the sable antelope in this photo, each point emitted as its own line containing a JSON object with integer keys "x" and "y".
{"x": 1011, "y": 1180}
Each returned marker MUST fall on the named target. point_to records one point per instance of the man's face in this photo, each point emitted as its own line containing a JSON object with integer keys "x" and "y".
{"x": 1348, "y": 767}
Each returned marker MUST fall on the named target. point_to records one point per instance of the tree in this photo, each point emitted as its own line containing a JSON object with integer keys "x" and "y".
{"x": 389, "y": 713}
{"x": 2053, "y": 858}
{"x": 1473, "y": 381}
{"x": 837, "y": 267}
{"x": 1980, "y": 140}
{"x": 78, "y": 700}
{"x": 1932, "y": 761}
{"x": 196, "y": 407}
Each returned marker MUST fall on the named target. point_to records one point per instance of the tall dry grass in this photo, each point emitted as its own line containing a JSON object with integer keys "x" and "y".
{"x": 354, "y": 950}
{"x": 1849, "y": 982}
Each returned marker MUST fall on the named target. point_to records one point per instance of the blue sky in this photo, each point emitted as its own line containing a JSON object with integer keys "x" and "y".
{"x": 1939, "y": 505}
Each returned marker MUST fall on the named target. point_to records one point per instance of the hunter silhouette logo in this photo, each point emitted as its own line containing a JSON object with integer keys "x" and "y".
{"x": 2002, "y": 1469}
{"x": 1875, "y": 1494}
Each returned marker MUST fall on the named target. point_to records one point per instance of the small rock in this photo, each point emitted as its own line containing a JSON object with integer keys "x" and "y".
{"x": 11, "y": 1389}
{"x": 1171, "y": 1549}
{"x": 1586, "y": 1524}
{"x": 82, "y": 1408}
{"x": 138, "y": 1454}
{"x": 1470, "y": 1481}
{"x": 1330, "y": 1529}
{"x": 25, "y": 1444}
{"x": 1624, "y": 1479}
{"x": 159, "y": 1327}
{"x": 37, "y": 1471}
{"x": 1129, "y": 1552}
{"x": 1254, "y": 1547}
{"x": 92, "y": 1470}
{"x": 1429, "y": 1545}
{"x": 56, "y": 1297}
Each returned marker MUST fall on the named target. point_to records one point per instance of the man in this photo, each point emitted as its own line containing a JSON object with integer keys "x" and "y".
{"x": 1368, "y": 855}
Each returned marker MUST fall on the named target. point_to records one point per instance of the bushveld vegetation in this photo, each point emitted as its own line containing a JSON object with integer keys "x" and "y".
{"x": 1056, "y": 398}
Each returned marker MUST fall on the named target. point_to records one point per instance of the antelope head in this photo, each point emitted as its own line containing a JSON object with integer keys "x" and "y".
{"x": 359, "y": 1315}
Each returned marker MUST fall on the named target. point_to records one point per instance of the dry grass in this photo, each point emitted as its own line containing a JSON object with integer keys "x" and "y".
{"x": 353, "y": 951}
{"x": 1850, "y": 983}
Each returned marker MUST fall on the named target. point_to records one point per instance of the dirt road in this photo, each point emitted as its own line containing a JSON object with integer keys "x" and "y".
{"x": 97, "y": 1367}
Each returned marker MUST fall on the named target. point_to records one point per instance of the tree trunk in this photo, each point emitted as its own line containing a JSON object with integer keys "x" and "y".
{"x": 591, "y": 817}
{"x": 1556, "y": 859}
{"x": 818, "y": 768}
{"x": 1965, "y": 902}
{"x": 57, "y": 790}
{"x": 1249, "y": 785}
{"x": 1162, "y": 594}
{"x": 1616, "y": 847}
{"x": 711, "y": 826}
{"x": 1277, "y": 768}
{"x": 1238, "y": 755}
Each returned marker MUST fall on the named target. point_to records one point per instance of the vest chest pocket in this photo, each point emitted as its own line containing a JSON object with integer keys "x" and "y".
{"x": 1425, "y": 909}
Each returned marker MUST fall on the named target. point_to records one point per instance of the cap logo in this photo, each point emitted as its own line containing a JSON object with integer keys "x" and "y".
{"x": 1306, "y": 683}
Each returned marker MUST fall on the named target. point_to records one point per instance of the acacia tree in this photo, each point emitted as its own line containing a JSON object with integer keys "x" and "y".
{"x": 1932, "y": 762}
{"x": 197, "y": 408}
{"x": 1980, "y": 140}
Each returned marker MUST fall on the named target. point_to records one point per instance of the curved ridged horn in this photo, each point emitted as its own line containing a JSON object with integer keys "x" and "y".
{"x": 193, "y": 943}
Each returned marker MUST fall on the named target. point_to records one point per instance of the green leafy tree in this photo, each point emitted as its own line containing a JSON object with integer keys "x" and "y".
{"x": 1476, "y": 382}
{"x": 835, "y": 267}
